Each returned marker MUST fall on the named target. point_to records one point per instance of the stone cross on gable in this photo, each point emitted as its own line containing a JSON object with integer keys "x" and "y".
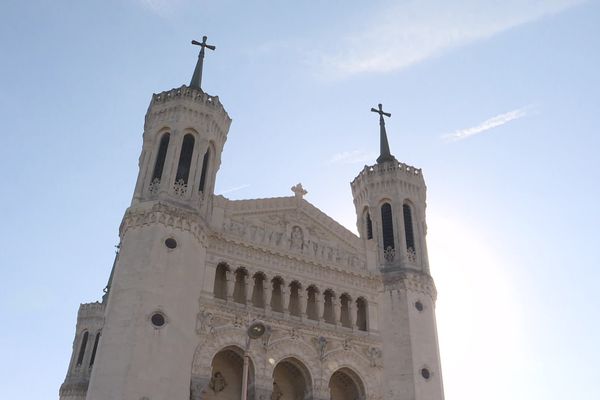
{"x": 299, "y": 191}
{"x": 197, "y": 77}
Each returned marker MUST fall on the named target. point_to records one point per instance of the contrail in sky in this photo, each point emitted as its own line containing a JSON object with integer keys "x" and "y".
{"x": 486, "y": 125}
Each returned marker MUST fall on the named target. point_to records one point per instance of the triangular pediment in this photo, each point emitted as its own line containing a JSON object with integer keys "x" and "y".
{"x": 292, "y": 226}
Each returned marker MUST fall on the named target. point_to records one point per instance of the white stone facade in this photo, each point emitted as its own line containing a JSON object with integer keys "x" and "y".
{"x": 348, "y": 317}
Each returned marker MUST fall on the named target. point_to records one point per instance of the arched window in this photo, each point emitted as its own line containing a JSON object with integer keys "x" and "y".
{"x": 277, "y": 296}
{"x": 161, "y": 157}
{"x": 328, "y": 309}
{"x": 369, "y": 225}
{"x": 294, "y": 305}
{"x": 361, "y": 314}
{"x": 345, "y": 317}
{"x": 95, "y": 349}
{"x": 185, "y": 159}
{"x": 312, "y": 309}
{"x": 239, "y": 290}
{"x": 408, "y": 227}
{"x": 82, "y": 348}
{"x": 258, "y": 294}
{"x": 204, "y": 170}
{"x": 220, "y": 287}
{"x": 387, "y": 226}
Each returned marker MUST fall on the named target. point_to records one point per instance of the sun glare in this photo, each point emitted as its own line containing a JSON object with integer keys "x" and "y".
{"x": 481, "y": 339}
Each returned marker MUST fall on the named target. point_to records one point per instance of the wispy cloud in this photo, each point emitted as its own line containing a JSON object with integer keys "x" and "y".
{"x": 162, "y": 8}
{"x": 486, "y": 125}
{"x": 413, "y": 31}
{"x": 351, "y": 157}
{"x": 235, "y": 189}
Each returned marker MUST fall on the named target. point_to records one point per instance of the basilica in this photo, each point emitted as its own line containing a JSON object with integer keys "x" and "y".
{"x": 258, "y": 299}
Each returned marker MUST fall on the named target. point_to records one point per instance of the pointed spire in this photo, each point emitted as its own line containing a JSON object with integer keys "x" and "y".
{"x": 197, "y": 77}
{"x": 384, "y": 147}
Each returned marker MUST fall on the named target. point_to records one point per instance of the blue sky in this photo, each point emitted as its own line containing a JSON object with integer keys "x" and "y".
{"x": 498, "y": 102}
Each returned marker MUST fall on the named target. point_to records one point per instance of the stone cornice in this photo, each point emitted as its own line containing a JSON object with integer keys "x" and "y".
{"x": 226, "y": 248}
{"x": 242, "y": 316}
{"x": 164, "y": 214}
{"x": 413, "y": 281}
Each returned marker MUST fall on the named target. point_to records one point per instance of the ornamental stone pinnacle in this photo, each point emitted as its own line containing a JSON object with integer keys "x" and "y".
{"x": 384, "y": 147}
{"x": 197, "y": 77}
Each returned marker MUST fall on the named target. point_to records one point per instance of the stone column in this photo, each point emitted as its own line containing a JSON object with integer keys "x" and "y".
{"x": 267, "y": 294}
{"x": 320, "y": 306}
{"x": 351, "y": 315}
{"x": 336, "y": 304}
{"x": 230, "y": 285}
{"x": 249, "y": 287}
{"x": 285, "y": 299}
{"x": 302, "y": 301}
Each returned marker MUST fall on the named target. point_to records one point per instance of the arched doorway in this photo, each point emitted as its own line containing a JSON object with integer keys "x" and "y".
{"x": 226, "y": 375}
{"x": 345, "y": 384}
{"x": 291, "y": 380}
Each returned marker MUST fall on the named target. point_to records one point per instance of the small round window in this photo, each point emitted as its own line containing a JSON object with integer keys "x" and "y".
{"x": 425, "y": 373}
{"x": 419, "y": 306}
{"x": 158, "y": 320}
{"x": 171, "y": 243}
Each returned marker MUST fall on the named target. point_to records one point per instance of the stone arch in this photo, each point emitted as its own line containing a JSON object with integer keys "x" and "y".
{"x": 221, "y": 338}
{"x": 287, "y": 347}
{"x": 353, "y": 361}
{"x": 226, "y": 375}
{"x": 292, "y": 380}
{"x": 346, "y": 384}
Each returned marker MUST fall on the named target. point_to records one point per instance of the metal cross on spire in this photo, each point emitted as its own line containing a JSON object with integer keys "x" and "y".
{"x": 197, "y": 77}
{"x": 384, "y": 147}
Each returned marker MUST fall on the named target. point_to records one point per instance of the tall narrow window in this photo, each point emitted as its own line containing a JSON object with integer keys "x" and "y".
{"x": 239, "y": 290}
{"x": 277, "y": 296}
{"x": 369, "y": 225}
{"x": 408, "y": 227}
{"x": 204, "y": 170}
{"x": 361, "y": 314}
{"x": 82, "y": 348}
{"x": 95, "y": 349}
{"x": 160, "y": 157}
{"x": 258, "y": 294}
{"x": 387, "y": 226}
{"x": 328, "y": 309}
{"x": 220, "y": 286}
{"x": 185, "y": 159}
{"x": 312, "y": 310}
{"x": 294, "y": 304}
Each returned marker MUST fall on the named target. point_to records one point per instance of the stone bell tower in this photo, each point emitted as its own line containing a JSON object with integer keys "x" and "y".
{"x": 389, "y": 198}
{"x": 148, "y": 335}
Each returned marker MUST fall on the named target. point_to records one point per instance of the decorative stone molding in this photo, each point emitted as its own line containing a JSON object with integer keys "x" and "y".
{"x": 180, "y": 188}
{"x": 154, "y": 187}
{"x": 73, "y": 389}
{"x": 164, "y": 214}
{"x": 413, "y": 281}
{"x": 272, "y": 263}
